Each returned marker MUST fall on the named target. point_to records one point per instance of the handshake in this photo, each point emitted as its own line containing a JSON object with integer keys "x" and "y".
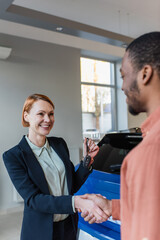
{"x": 94, "y": 208}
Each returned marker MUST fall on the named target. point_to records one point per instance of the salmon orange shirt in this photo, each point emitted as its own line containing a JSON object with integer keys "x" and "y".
{"x": 139, "y": 207}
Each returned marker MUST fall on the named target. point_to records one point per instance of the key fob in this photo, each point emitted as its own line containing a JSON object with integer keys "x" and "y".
{"x": 87, "y": 158}
{"x": 86, "y": 161}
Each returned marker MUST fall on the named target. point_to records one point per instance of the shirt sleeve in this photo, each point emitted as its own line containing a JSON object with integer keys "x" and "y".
{"x": 143, "y": 194}
{"x": 116, "y": 209}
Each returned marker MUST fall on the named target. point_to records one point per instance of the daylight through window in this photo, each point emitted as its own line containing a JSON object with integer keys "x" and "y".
{"x": 98, "y": 97}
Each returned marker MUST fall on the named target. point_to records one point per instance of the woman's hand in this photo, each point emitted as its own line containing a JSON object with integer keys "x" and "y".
{"x": 92, "y": 210}
{"x": 101, "y": 202}
{"x": 92, "y": 149}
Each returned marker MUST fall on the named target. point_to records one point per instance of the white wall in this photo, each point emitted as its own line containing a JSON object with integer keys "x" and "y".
{"x": 36, "y": 67}
{"x": 121, "y": 104}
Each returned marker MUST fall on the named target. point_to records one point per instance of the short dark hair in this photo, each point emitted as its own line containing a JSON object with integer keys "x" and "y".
{"x": 145, "y": 50}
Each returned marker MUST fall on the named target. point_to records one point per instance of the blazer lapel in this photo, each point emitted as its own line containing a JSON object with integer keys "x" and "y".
{"x": 34, "y": 166}
{"x": 62, "y": 153}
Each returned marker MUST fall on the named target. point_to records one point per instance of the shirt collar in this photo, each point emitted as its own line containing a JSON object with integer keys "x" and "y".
{"x": 38, "y": 150}
{"x": 150, "y": 122}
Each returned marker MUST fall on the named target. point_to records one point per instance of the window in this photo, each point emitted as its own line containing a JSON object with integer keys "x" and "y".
{"x": 98, "y": 97}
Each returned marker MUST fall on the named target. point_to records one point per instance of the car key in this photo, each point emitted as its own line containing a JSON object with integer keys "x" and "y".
{"x": 87, "y": 158}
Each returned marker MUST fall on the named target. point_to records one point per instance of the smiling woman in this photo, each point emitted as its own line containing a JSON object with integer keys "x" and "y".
{"x": 38, "y": 115}
{"x": 41, "y": 171}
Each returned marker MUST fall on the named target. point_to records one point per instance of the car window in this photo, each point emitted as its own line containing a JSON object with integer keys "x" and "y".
{"x": 113, "y": 149}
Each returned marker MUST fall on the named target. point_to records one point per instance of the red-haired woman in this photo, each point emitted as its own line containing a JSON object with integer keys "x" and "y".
{"x": 41, "y": 171}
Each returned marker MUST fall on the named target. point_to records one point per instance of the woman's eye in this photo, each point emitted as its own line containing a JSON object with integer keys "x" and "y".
{"x": 41, "y": 114}
{"x": 51, "y": 114}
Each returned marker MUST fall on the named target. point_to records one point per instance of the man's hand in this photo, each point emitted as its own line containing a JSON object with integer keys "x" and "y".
{"x": 103, "y": 203}
{"x": 90, "y": 208}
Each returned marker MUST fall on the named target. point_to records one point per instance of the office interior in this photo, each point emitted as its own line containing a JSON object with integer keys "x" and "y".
{"x": 47, "y": 39}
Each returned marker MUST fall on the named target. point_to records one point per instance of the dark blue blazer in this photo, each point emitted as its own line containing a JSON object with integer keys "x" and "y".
{"x": 29, "y": 180}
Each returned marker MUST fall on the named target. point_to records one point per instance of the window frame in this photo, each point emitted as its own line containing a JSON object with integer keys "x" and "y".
{"x": 113, "y": 87}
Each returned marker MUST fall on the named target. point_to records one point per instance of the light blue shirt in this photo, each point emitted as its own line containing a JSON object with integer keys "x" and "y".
{"x": 54, "y": 172}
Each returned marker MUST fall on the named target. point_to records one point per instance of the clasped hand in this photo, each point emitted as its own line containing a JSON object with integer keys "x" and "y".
{"x": 94, "y": 208}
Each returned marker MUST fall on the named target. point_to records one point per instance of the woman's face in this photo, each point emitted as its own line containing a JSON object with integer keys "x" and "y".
{"x": 40, "y": 118}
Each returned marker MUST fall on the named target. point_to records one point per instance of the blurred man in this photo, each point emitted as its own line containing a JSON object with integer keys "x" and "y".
{"x": 139, "y": 206}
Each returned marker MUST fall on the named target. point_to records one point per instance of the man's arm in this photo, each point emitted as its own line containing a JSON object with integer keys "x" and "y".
{"x": 116, "y": 209}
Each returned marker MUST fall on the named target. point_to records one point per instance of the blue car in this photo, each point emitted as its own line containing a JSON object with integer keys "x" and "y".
{"x": 105, "y": 179}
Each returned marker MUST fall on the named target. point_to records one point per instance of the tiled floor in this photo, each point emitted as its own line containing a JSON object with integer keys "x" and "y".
{"x": 10, "y": 225}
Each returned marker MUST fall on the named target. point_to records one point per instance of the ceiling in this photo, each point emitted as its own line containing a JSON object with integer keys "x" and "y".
{"x": 102, "y": 26}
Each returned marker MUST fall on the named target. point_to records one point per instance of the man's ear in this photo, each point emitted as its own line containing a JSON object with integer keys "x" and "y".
{"x": 147, "y": 73}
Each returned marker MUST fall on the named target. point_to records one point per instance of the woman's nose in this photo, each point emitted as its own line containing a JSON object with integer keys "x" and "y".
{"x": 46, "y": 118}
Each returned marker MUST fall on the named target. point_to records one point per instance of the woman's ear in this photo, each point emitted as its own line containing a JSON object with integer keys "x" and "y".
{"x": 147, "y": 73}
{"x": 26, "y": 116}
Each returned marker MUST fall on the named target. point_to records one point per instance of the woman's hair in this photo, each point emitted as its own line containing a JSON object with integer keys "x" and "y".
{"x": 29, "y": 103}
